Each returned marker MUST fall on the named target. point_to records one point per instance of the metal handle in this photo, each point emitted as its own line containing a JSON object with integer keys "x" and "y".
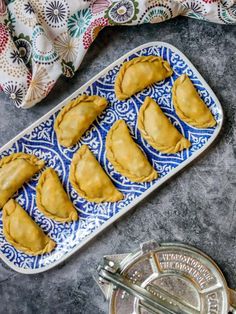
{"x": 153, "y": 304}
{"x": 138, "y": 292}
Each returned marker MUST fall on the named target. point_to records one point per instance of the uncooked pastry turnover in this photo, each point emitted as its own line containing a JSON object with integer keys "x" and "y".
{"x": 139, "y": 73}
{"x": 76, "y": 117}
{"x": 158, "y": 131}
{"x": 90, "y": 180}
{"x": 52, "y": 199}
{"x": 189, "y": 106}
{"x": 15, "y": 170}
{"x": 125, "y": 156}
{"x": 22, "y": 232}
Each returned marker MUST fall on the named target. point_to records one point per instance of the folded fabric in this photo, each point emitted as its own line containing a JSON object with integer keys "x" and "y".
{"x": 42, "y": 39}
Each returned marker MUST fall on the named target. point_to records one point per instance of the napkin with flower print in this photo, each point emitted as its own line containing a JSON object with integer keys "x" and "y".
{"x": 43, "y": 39}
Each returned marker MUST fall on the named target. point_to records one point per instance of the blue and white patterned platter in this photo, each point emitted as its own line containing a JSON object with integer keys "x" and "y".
{"x": 40, "y": 140}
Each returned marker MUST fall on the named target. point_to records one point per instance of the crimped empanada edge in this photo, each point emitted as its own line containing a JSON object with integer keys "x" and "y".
{"x": 180, "y": 145}
{"x": 42, "y": 179}
{"x": 99, "y": 101}
{"x": 180, "y": 113}
{"x": 32, "y": 159}
{"x": 110, "y": 156}
{"x": 47, "y": 249}
{"x": 77, "y": 156}
{"x": 119, "y": 78}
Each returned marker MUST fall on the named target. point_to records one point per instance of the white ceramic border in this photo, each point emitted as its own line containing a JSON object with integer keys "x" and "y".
{"x": 147, "y": 192}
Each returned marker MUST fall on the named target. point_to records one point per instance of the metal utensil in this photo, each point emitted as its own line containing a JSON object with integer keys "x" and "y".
{"x": 165, "y": 279}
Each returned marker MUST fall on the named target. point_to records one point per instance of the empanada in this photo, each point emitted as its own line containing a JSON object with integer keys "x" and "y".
{"x": 52, "y": 200}
{"x": 76, "y": 117}
{"x": 138, "y": 73}
{"x": 189, "y": 106}
{"x": 16, "y": 169}
{"x": 158, "y": 131}
{"x": 22, "y": 232}
{"x": 125, "y": 156}
{"x": 90, "y": 180}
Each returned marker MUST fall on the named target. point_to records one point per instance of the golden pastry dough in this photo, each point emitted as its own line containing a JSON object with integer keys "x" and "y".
{"x": 138, "y": 73}
{"x": 22, "y": 232}
{"x": 90, "y": 180}
{"x": 158, "y": 131}
{"x": 189, "y": 106}
{"x": 76, "y": 117}
{"x": 125, "y": 156}
{"x": 16, "y": 169}
{"x": 52, "y": 200}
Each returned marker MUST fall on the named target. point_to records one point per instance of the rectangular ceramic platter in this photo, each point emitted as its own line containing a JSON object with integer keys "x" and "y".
{"x": 40, "y": 140}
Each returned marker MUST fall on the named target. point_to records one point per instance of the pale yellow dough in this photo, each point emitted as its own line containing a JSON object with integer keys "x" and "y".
{"x": 139, "y": 73}
{"x": 22, "y": 232}
{"x": 90, "y": 180}
{"x": 157, "y": 129}
{"x": 52, "y": 200}
{"x": 188, "y": 104}
{"x": 125, "y": 156}
{"x": 76, "y": 117}
{"x": 15, "y": 170}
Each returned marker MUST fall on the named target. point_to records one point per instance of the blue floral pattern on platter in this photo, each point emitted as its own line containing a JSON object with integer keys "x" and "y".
{"x": 42, "y": 142}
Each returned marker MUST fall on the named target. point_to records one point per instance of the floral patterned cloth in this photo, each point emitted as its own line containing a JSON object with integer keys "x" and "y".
{"x": 42, "y": 39}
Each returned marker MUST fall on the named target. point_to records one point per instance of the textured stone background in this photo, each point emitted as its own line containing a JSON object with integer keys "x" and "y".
{"x": 198, "y": 207}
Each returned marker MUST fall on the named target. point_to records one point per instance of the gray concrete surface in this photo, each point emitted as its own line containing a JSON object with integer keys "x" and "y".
{"x": 198, "y": 207}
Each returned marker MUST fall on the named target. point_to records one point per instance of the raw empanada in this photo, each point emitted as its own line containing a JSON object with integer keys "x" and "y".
{"x": 76, "y": 117}
{"x": 22, "y": 232}
{"x": 189, "y": 106}
{"x": 125, "y": 156}
{"x": 90, "y": 180}
{"x": 158, "y": 131}
{"x": 16, "y": 169}
{"x": 138, "y": 73}
{"x": 52, "y": 199}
